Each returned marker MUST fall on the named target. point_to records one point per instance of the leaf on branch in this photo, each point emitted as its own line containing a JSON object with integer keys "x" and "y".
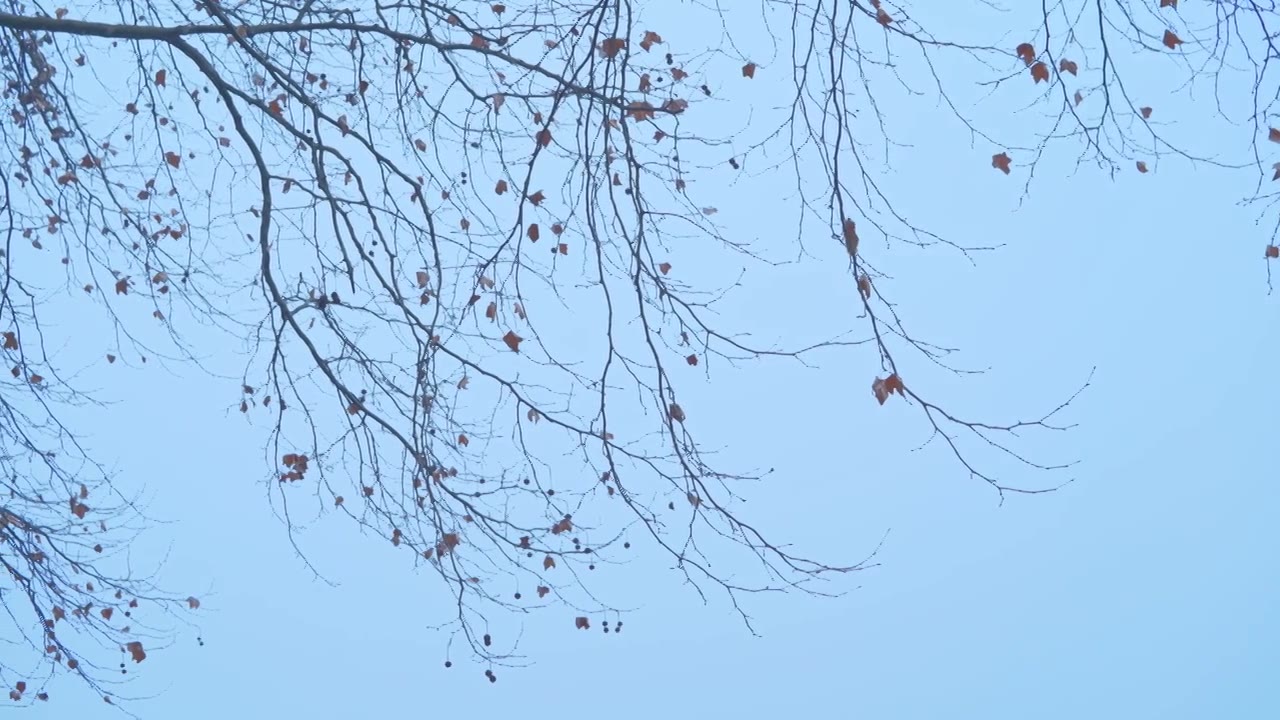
{"x": 533, "y": 232}
{"x": 640, "y": 111}
{"x": 1171, "y": 40}
{"x": 1146, "y": 113}
{"x": 501, "y": 187}
{"x": 850, "y": 230}
{"x": 1027, "y": 52}
{"x": 563, "y": 526}
{"x": 1000, "y": 161}
{"x": 1040, "y": 72}
{"x": 1078, "y": 98}
{"x": 649, "y": 40}
{"x": 10, "y": 341}
{"x": 1142, "y": 166}
{"x": 582, "y": 623}
{"x": 1068, "y": 66}
{"x": 498, "y": 100}
{"x": 491, "y": 312}
{"x": 676, "y": 412}
{"x": 1273, "y": 251}
{"x": 193, "y": 603}
{"x": 122, "y": 286}
{"x": 864, "y": 286}
{"x": 512, "y": 340}
{"x": 749, "y": 70}
{"x": 1273, "y": 135}
{"x": 664, "y": 268}
{"x": 543, "y": 590}
{"x": 884, "y": 387}
{"x": 1169, "y": 3}
{"x": 478, "y": 42}
{"x": 173, "y": 158}
{"x": 544, "y": 137}
{"x": 882, "y": 17}
{"x": 161, "y": 75}
{"x": 548, "y": 562}
{"x": 537, "y": 198}
{"x": 136, "y": 651}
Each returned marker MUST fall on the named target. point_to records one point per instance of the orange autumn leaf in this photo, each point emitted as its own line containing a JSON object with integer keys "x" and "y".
{"x": 749, "y": 70}
{"x": 491, "y": 312}
{"x": 1142, "y": 166}
{"x": 692, "y": 360}
{"x": 664, "y": 268}
{"x": 463, "y": 440}
{"x": 537, "y": 198}
{"x": 640, "y": 111}
{"x": 544, "y": 137}
{"x": 850, "y": 231}
{"x": 533, "y": 232}
{"x": 543, "y": 590}
{"x": 1273, "y": 135}
{"x": 610, "y": 47}
{"x": 160, "y": 77}
{"x": 36, "y": 379}
{"x": 563, "y": 248}
{"x": 479, "y": 42}
{"x": 676, "y": 412}
{"x": 548, "y": 562}
{"x": 136, "y": 651}
{"x": 107, "y": 613}
{"x": 1000, "y": 161}
{"x": 1169, "y": 3}
{"x": 582, "y": 623}
{"x": 512, "y": 340}
{"x": 1146, "y": 113}
{"x": 1027, "y": 52}
{"x": 1171, "y": 40}
{"x": 501, "y": 187}
{"x": 1040, "y": 72}
{"x": 864, "y": 287}
{"x": 173, "y": 158}
{"x": 1068, "y": 66}
{"x": 884, "y": 387}
{"x": 1273, "y": 251}
{"x": 882, "y": 17}
{"x": 650, "y": 39}
{"x": 10, "y": 341}
{"x": 122, "y": 286}
{"x": 193, "y": 603}
{"x": 422, "y": 278}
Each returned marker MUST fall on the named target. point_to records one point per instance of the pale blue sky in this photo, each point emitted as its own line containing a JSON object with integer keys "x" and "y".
{"x": 1146, "y": 589}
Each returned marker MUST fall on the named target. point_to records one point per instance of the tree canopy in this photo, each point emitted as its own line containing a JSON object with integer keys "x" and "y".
{"x": 471, "y": 256}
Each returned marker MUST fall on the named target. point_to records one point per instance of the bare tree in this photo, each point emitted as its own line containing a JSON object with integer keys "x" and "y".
{"x": 450, "y": 232}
